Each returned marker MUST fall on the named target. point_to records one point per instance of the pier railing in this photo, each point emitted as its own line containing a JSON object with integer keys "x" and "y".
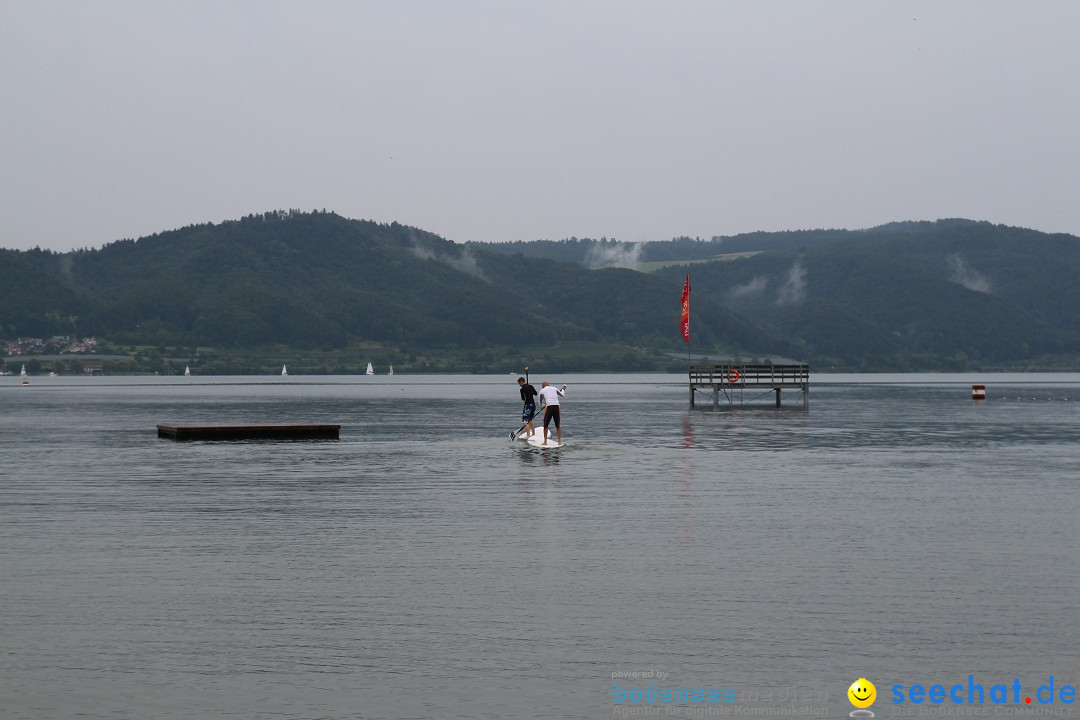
{"x": 730, "y": 381}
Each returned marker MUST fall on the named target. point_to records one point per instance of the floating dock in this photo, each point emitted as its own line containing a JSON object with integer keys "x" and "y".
{"x": 263, "y": 431}
{"x": 737, "y": 385}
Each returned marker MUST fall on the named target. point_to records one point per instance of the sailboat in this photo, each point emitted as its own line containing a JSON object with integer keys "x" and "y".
{"x": 187, "y": 370}
{"x": 284, "y": 371}
{"x": 370, "y": 370}
{"x": 391, "y": 369}
{"x": 22, "y": 373}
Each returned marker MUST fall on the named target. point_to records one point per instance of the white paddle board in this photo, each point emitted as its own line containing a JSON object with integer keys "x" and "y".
{"x": 537, "y": 440}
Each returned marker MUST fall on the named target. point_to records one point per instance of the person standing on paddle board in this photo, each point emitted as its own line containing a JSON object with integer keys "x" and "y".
{"x": 550, "y": 396}
{"x": 528, "y": 410}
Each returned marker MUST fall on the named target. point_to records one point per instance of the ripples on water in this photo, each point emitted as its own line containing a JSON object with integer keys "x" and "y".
{"x": 424, "y": 566}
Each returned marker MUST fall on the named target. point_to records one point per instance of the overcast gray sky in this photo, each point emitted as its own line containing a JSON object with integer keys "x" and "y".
{"x": 503, "y": 120}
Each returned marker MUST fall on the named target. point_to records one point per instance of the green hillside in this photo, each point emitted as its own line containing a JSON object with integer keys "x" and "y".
{"x": 329, "y": 293}
{"x": 945, "y": 295}
{"x": 317, "y": 281}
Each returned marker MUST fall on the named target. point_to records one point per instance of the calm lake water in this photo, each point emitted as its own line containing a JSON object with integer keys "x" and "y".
{"x": 424, "y": 566}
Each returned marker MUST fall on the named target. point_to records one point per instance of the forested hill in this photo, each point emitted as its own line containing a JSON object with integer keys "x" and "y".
{"x": 945, "y": 295}
{"x": 948, "y": 295}
{"x": 318, "y": 280}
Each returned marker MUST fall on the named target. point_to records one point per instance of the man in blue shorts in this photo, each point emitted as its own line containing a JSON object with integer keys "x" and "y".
{"x": 528, "y": 410}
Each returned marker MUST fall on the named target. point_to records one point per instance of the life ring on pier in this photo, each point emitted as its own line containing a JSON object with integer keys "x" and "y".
{"x": 734, "y": 375}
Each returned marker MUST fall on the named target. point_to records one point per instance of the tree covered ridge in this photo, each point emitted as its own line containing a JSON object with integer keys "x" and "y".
{"x": 949, "y": 294}
{"x": 321, "y": 280}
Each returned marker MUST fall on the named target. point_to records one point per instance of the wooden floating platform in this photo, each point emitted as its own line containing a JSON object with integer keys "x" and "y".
{"x": 732, "y": 382}
{"x": 262, "y": 431}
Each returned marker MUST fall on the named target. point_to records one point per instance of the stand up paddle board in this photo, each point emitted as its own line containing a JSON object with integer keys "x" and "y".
{"x": 537, "y": 441}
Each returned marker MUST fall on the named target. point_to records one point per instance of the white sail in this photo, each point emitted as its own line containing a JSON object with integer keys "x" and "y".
{"x": 22, "y": 373}
{"x": 391, "y": 369}
{"x": 187, "y": 370}
{"x": 284, "y": 371}
{"x": 370, "y": 370}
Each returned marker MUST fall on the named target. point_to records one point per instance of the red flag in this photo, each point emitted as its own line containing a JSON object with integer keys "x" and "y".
{"x": 686, "y": 310}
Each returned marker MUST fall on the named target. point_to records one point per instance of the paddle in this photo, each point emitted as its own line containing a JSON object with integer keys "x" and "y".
{"x": 514, "y": 433}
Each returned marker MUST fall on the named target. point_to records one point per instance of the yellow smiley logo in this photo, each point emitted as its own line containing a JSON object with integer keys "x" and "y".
{"x": 862, "y": 693}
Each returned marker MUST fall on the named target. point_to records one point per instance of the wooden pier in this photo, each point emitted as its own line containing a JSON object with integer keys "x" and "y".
{"x": 740, "y": 385}
{"x": 264, "y": 431}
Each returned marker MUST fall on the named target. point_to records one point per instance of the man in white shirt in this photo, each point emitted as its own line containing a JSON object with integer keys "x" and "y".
{"x": 550, "y": 397}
